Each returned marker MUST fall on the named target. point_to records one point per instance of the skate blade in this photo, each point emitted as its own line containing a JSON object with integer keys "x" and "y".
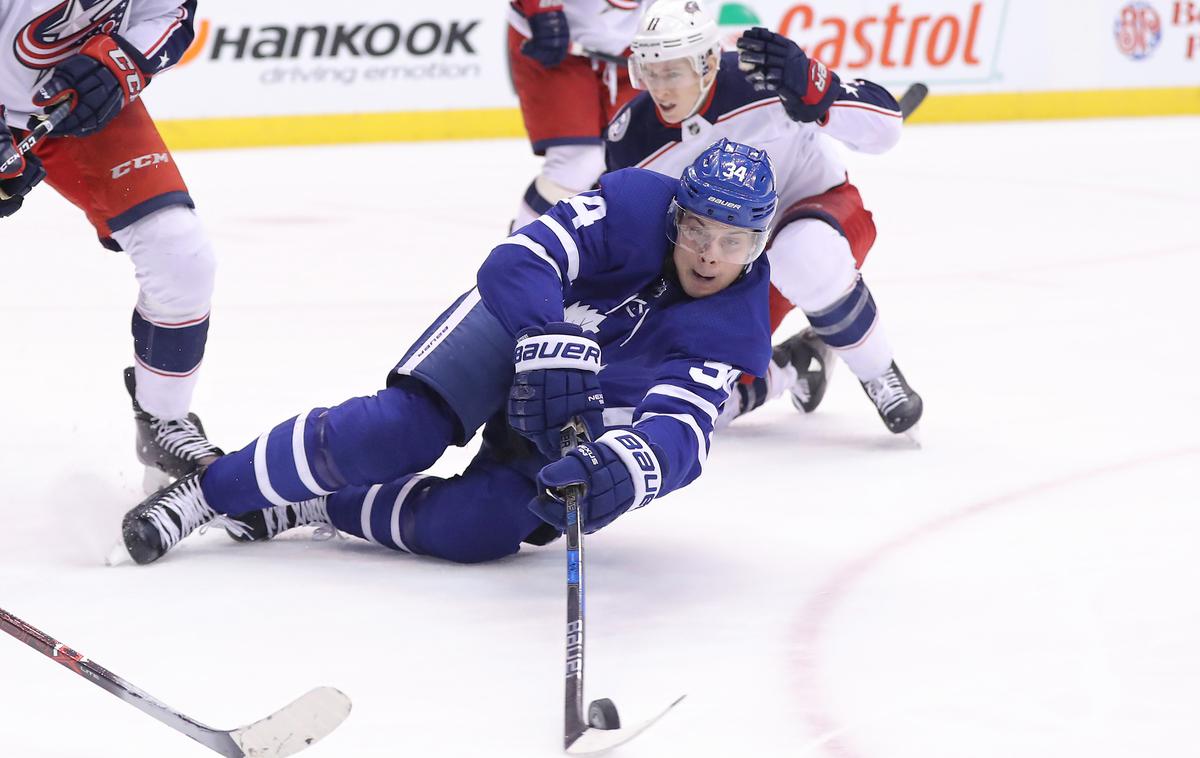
{"x": 914, "y": 435}
{"x": 118, "y": 555}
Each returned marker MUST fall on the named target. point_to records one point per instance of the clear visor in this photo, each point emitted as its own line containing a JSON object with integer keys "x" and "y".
{"x": 711, "y": 239}
{"x": 658, "y": 75}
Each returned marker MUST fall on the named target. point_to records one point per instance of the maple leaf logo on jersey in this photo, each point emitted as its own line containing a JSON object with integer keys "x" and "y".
{"x": 584, "y": 316}
{"x": 56, "y": 34}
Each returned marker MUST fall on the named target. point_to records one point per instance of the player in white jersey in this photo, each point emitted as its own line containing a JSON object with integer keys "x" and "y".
{"x": 107, "y": 158}
{"x": 773, "y": 96}
{"x": 568, "y": 98}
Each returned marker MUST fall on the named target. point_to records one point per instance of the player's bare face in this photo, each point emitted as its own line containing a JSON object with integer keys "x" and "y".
{"x": 709, "y": 256}
{"x": 675, "y": 87}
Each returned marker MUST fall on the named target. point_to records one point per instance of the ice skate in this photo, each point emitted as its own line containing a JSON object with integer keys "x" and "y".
{"x": 257, "y": 526}
{"x": 168, "y": 448}
{"x": 807, "y": 355}
{"x": 160, "y": 521}
{"x": 898, "y": 406}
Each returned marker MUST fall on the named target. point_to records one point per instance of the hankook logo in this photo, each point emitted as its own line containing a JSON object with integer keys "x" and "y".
{"x": 368, "y": 39}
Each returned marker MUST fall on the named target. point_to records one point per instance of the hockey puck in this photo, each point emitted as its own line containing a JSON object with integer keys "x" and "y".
{"x": 602, "y": 714}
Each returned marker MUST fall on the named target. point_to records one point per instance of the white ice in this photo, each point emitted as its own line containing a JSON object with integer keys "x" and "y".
{"x": 1024, "y": 585}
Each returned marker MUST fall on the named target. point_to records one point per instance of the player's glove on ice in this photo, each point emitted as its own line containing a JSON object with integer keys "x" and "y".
{"x": 774, "y": 63}
{"x": 619, "y": 471}
{"x": 18, "y": 173}
{"x": 550, "y": 36}
{"x": 555, "y": 380}
{"x": 102, "y": 78}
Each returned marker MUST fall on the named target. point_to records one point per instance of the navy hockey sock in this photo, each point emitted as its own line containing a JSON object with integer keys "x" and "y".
{"x": 169, "y": 349}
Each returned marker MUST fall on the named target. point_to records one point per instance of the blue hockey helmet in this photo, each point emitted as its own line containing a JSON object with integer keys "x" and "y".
{"x": 734, "y": 185}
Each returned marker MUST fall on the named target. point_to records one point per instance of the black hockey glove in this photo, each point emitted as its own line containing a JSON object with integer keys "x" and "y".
{"x": 101, "y": 79}
{"x": 774, "y": 63}
{"x": 550, "y": 35}
{"x": 18, "y": 173}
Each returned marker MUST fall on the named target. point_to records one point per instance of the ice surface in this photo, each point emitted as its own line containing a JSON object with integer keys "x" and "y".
{"x": 1022, "y": 586}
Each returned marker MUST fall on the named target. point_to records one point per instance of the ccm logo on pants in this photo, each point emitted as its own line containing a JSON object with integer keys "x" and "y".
{"x": 142, "y": 161}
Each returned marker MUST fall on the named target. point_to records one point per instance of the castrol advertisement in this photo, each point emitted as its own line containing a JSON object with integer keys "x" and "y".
{"x": 966, "y": 46}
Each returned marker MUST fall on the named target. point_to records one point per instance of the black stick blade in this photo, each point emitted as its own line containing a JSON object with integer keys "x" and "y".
{"x": 912, "y": 99}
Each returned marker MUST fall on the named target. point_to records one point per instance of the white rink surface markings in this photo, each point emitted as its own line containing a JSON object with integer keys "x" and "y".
{"x": 1017, "y": 587}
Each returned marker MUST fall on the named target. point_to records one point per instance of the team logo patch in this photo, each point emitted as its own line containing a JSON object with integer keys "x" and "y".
{"x": 616, "y": 130}
{"x": 58, "y": 33}
{"x": 584, "y": 316}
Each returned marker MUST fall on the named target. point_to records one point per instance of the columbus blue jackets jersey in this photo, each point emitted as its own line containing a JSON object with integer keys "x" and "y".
{"x": 600, "y": 260}
{"x": 37, "y": 35}
{"x": 865, "y": 118}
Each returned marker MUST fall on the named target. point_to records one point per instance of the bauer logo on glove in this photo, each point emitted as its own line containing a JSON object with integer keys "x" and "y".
{"x": 555, "y": 379}
{"x": 557, "y": 351}
{"x": 619, "y": 472}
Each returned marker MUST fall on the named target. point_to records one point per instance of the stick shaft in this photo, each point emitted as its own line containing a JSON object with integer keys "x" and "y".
{"x": 116, "y": 686}
{"x": 596, "y": 55}
{"x": 574, "y": 723}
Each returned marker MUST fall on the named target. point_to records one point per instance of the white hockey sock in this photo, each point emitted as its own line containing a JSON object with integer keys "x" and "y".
{"x": 567, "y": 170}
{"x": 812, "y": 265}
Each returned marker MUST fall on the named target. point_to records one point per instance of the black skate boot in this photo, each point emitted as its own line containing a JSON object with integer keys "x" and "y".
{"x": 257, "y": 526}
{"x": 809, "y": 356}
{"x": 801, "y": 364}
{"x": 898, "y": 406}
{"x": 160, "y": 521}
{"x": 168, "y": 449}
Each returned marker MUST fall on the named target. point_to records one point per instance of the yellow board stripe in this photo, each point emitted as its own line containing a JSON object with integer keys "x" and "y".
{"x": 1012, "y": 106}
{"x": 264, "y": 131}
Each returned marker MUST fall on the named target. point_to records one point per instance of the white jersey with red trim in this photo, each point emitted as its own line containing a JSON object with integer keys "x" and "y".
{"x": 604, "y": 25}
{"x": 37, "y": 35}
{"x": 865, "y": 118}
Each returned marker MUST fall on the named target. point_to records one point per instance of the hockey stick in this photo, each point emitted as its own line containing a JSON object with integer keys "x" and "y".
{"x": 602, "y": 730}
{"x": 44, "y": 126}
{"x": 287, "y": 731}
{"x": 596, "y": 55}
{"x": 912, "y": 99}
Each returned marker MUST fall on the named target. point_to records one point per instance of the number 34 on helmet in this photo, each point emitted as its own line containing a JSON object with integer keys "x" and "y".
{"x": 731, "y": 184}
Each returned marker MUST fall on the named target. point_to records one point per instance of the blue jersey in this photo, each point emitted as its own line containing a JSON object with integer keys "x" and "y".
{"x": 601, "y": 260}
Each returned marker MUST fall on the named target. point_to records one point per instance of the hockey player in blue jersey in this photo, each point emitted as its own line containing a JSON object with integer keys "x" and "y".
{"x": 770, "y": 94}
{"x": 633, "y": 307}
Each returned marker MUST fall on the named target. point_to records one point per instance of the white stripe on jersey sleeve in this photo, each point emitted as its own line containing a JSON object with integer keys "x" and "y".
{"x": 688, "y": 421}
{"x": 536, "y": 249}
{"x": 687, "y": 396}
{"x": 568, "y": 245}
